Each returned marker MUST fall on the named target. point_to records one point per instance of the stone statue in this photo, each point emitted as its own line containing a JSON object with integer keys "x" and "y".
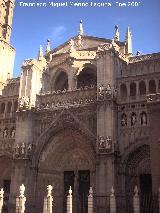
{"x": 143, "y": 119}
{"x": 108, "y": 90}
{"x": 29, "y": 149}
{"x": 21, "y": 102}
{"x": 23, "y": 146}
{"x": 101, "y": 142}
{"x": 124, "y": 120}
{"x": 133, "y": 119}
{"x": 108, "y": 142}
{"x": 5, "y": 133}
{"x": 101, "y": 91}
{"x": 26, "y": 101}
{"x": 17, "y": 149}
{"x": 13, "y": 133}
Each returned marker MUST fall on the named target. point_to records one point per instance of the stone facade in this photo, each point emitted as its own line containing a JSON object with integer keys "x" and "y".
{"x": 85, "y": 114}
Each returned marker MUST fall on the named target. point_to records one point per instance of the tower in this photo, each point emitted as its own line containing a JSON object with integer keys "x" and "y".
{"x": 7, "y": 52}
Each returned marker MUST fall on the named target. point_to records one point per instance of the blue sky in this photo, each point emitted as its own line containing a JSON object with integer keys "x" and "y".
{"x": 32, "y": 26}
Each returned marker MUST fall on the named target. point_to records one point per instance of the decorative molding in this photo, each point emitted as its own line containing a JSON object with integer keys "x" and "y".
{"x": 24, "y": 103}
{"x": 23, "y": 151}
{"x": 104, "y": 144}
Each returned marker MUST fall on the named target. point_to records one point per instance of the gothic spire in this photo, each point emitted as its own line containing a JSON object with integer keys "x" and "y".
{"x": 128, "y": 41}
{"x": 116, "y": 36}
{"x": 48, "y": 47}
{"x": 81, "y": 28}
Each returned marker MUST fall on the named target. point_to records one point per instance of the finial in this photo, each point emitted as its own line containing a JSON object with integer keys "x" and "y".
{"x": 135, "y": 190}
{"x": 112, "y": 191}
{"x": 116, "y": 36}
{"x": 49, "y": 189}
{"x": 128, "y": 33}
{"x": 22, "y": 189}
{"x": 48, "y": 47}
{"x": 1, "y": 192}
{"x": 40, "y": 53}
{"x": 128, "y": 41}
{"x": 81, "y": 28}
{"x": 90, "y": 192}
{"x": 70, "y": 190}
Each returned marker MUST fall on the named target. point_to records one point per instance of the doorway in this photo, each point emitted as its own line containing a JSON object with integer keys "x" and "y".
{"x": 146, "y": 193}
{"x": 80, "y": 184}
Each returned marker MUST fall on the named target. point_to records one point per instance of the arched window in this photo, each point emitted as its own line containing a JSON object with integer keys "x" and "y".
{"x": 133, "y": 89}
{"x": 9, "y": 106}
{"x": 124, "y": 119}
{"x": 143, "y": 117}
{"x": 123, "y": 90}
{"x": 2, "y": 107}
{"x": 142, "y": 88}
{"x": 15, "y": 106}
{"x": 61, "y": 82}
{"x": 87, "y": 77}
{"x": 152, "y": 86}
{"x": 133, "y": 119}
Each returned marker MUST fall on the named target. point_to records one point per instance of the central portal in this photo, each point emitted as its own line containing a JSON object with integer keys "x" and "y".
{"x": 80, "y": 183}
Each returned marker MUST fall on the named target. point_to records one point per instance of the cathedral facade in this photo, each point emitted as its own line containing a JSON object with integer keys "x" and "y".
{"x": 86, "y": 113}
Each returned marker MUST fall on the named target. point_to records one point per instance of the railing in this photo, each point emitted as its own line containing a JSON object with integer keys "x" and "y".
{"x": 130, "y": 99}
{"x": 132, "y": 203}
{"x": 61, "y": 99}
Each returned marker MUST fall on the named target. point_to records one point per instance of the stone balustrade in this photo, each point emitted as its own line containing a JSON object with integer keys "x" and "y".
{"x": 62, "y": 99}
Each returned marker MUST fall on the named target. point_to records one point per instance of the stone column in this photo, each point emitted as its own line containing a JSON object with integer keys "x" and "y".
{"x": 48, "y": 200}
{"x": 112, "y": 201}
{"x": 69, "y": 201}
{"x": 90, "y": 201}
{"x": 20, "y": 200}
{"x": 136, "y": 201}
{"x": 1, "y": 199}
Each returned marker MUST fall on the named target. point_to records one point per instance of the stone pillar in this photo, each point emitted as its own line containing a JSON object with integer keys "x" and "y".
{"x": 72, "y": 79}
{"x": 106, "y": 126}
{"x": 112, "y": 201}
{"x": 90, "y": 201}
{"x": 137, "y": 89}
{"x": 48, "y": 200}
{"x": 69, "y": 201}
{"x": 1, "y": 199}
{"x": 136, "y": 201}
{"x": 20, "y": 200}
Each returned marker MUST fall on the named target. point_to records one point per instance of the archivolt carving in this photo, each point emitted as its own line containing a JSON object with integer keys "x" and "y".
{"x": 67, "y": 150}
{"x": 138, "y": 161}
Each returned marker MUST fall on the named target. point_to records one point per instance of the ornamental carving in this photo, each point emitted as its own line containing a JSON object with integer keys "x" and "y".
{"x": 24, "y": 103}
{"x": 104, "y": 92}
{"x": 23, "y": 150}
{"x": 104, "y": 144}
